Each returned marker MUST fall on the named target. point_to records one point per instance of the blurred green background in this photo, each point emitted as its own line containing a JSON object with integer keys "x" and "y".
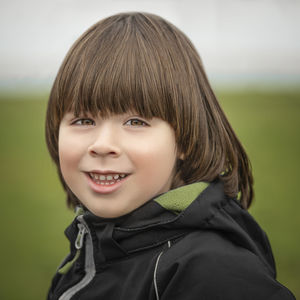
{"x": 34, "y": 214}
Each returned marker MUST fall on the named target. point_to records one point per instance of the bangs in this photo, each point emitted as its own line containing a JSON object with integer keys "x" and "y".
{"x": 123, "y": 68}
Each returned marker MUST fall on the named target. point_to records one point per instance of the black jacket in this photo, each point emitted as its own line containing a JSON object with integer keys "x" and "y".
{"x": 212, "y": 249}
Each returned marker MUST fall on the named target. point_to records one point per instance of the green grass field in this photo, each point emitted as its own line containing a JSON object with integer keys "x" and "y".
{"x": 32, "y": 202}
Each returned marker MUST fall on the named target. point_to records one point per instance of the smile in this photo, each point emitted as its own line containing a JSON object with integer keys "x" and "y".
{"x": 107, "y": 179}
{"x": 106, "y": 183}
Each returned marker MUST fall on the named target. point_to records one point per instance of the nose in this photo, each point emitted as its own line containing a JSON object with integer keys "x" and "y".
{"x": 105, "y": 142}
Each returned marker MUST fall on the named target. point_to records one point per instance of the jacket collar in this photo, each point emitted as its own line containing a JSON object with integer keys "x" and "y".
{"x": 154, "y": 224}
{"x": 163, "y": 218}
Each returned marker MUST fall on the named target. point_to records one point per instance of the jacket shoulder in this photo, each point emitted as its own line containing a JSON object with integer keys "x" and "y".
{"x": 206, "y": 263}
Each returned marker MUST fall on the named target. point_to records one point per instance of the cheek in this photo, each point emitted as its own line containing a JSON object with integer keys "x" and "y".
{"x": 69, "y": 153}
{"x": 156, "y": 160}
{"x": 67, "y": 158}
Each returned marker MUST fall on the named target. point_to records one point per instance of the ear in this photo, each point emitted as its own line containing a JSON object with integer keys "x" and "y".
{"x": 181, "y": 156}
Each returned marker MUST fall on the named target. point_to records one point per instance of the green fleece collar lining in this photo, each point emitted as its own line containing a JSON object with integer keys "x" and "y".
{"x": 64, "y": 269}
{"x": 180, "y": 198}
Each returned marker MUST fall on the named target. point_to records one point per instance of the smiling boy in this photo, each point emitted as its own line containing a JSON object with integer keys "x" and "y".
{"x": 161, "y": 182}
{"x": 115, "y": 164}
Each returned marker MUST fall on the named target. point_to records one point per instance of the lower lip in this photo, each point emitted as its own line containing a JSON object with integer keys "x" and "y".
{"x": 105, "y": 189}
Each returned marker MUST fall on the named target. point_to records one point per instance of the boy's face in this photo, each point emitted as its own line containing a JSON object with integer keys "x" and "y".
{"x": 96, "y": 153}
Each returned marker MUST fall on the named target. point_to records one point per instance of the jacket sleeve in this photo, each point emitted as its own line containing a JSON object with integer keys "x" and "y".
{"x": 226, "y": 274}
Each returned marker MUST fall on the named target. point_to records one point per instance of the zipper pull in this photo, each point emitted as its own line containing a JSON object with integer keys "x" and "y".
{"x": 80, "y": 236}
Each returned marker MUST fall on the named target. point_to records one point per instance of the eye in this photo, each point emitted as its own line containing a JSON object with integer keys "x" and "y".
{"x": 136, "y": 123}
{"x": 84, "y": 122}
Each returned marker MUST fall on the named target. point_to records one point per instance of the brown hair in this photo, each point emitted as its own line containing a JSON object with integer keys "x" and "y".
{"x": 141, "y": 62}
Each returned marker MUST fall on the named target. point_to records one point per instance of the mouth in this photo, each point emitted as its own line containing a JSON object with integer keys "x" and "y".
{"x": 107, "y": 179}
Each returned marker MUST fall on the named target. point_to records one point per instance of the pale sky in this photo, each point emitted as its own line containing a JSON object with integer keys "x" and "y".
{"x": 235, "y": 38}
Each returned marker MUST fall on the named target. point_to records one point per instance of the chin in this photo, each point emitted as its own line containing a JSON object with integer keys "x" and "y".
{"x": 108, "y": 214}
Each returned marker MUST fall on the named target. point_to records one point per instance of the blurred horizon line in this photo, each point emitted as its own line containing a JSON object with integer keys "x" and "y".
{"x": 217, "y": 81}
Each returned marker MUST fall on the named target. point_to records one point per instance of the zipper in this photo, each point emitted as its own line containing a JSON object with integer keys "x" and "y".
{"x": 89, "y": 266}
{"x": 80, "y": 236}
{"x": 155, "y": 271}
{"x": 78, "y": 245}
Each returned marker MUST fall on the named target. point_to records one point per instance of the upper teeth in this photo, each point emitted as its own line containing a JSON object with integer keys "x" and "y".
{"x": 106, "y": 177}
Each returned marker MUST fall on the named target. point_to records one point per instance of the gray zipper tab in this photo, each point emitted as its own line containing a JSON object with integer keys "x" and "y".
{"x": 89, "y": 267}
{"x": 79, "y": 240}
